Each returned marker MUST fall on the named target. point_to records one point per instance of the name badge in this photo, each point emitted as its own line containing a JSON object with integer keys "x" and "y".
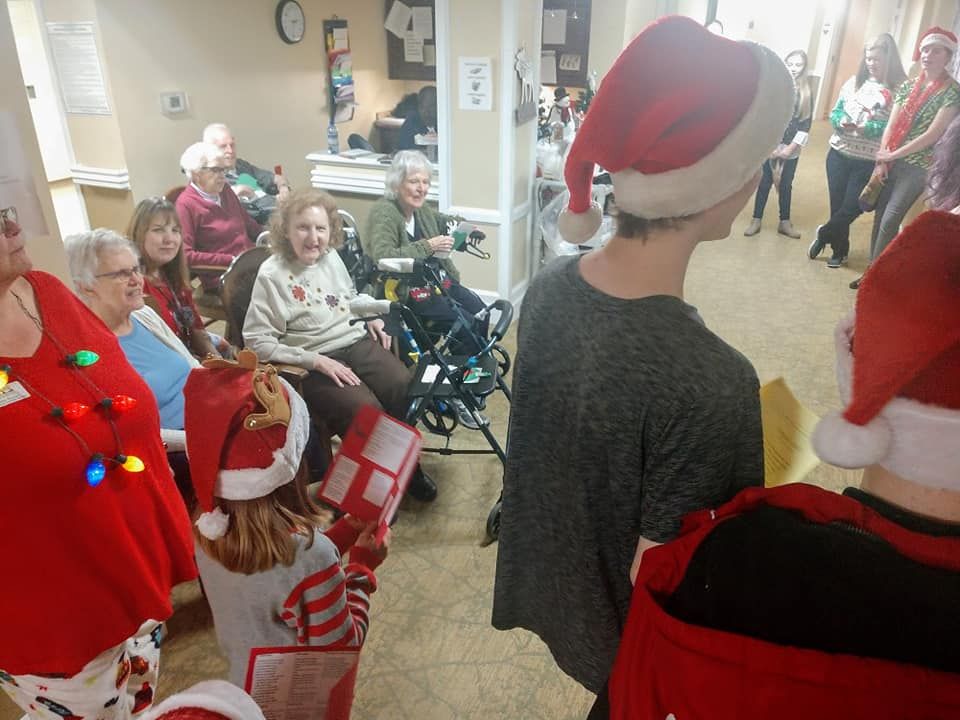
{"x": 12, "y": 393}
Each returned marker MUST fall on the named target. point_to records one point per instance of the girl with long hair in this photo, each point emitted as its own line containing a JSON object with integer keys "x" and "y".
{"x": 781, "y": 166}
{"x": 859, "y": 119}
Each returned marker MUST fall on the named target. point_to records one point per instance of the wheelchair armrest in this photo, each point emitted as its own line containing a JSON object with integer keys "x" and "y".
{"x": 292, "y": 374}
{"x": 505, "y": 307}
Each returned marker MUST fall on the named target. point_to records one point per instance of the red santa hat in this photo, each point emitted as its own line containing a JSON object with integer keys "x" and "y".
{"x": 935, "y": 36}
{"x": 246, "y": 432}
{"x": 208, "y": 700}
{"x": 682, "y": 120}
{"x": 898, "y": 361}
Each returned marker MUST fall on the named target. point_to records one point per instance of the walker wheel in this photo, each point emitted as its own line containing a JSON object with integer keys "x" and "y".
{"x": 493, "y": 521}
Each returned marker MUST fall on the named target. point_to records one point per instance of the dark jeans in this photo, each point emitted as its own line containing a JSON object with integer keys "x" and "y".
{"x": 438, "y": 315}
{"x": 385, "y": 382}
{"x": 785, "y": 189}
{"x": 846, "y": 178}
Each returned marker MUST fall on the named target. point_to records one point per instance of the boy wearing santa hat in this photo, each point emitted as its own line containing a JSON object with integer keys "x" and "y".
{"x": 844, "y": 607}
{"x": 628, "y": 412}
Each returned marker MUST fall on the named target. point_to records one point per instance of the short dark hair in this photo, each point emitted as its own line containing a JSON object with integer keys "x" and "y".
{"x": 634, "y": 226}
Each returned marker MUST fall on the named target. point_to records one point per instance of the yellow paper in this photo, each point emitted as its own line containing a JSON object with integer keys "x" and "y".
{"x": 787, "y": 426}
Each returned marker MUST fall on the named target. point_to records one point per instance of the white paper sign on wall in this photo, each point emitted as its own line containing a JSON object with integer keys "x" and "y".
{"x": 476, "y": 83}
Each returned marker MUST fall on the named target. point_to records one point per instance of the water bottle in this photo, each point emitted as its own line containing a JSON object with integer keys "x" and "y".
{"x": 333, "y": 139}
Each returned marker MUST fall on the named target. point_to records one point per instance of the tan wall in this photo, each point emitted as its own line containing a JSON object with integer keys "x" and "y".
{"x": 474, "y": 32}
{"x": 46, "y": 251}
{"x": 606, "y": 34}
{"x": 108, "y": 208}
{"x": 96, "y": 139}
{"x": 227, "y": 57}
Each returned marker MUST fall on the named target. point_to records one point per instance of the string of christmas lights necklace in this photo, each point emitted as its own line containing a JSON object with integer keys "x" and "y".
{"x": 64, "y": 414}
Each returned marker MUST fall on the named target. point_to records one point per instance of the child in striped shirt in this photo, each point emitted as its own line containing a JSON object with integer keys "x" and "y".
{"x": 272, "y": 576}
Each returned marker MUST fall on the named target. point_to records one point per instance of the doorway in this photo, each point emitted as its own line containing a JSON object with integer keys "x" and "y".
{"x": 49, "y": 120}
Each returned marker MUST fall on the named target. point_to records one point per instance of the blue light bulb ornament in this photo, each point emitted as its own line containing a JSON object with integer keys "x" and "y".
{"x": 95, "y": 470}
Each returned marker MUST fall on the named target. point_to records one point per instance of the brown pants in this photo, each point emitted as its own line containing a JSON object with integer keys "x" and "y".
{"x": 385, "y": 381}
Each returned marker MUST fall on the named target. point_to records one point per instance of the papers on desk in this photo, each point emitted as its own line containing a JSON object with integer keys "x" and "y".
{"x": 787, "y": 425}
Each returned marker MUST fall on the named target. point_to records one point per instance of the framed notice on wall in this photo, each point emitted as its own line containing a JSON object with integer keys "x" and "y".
{"x": 411, "y": 39}
{"x": 565, "y": 42}
{"x": 77, "y": 64}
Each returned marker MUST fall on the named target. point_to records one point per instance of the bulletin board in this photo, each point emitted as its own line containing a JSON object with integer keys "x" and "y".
{"x": 413, "y": 57}
{"x": 565, "y": 44}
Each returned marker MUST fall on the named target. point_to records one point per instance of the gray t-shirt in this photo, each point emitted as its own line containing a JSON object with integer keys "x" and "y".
{"x": 626, "y": 415}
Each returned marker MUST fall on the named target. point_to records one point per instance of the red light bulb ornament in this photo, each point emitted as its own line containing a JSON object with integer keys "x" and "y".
{"x": 75, "y": 410}
{"x": 123, "y": 403}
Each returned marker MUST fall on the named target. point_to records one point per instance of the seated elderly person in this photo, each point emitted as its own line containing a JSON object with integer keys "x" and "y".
{"x": 402, "y": 225}
{"x": 214, "y": 225}
{"x": 259, "y": 190}
{"x": 107, "y": 275}
{"x": 300, "y": 314}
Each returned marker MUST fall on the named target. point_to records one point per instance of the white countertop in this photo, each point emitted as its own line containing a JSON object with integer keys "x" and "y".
{"x": 356, "y": 175}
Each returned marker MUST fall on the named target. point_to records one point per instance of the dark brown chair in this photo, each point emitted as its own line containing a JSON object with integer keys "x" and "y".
{"x": 237, "y": 289}
{"x": 208, "y": 303}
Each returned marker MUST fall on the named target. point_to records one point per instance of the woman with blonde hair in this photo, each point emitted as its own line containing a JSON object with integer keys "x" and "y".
{"x": 781, "y": 166}
{"x": 859, "y": 119}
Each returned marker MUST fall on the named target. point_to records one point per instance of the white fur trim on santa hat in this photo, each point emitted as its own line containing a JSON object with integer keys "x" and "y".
{"x": 918, "y": 442}
{"x": 939, "y": 39}
{"x": 217, "y": 696}
{"x": 252, "y": 483}
{"x": 726, "y": 168}
{"x": 578, "y": 228}
{"x": 213, "y": 525}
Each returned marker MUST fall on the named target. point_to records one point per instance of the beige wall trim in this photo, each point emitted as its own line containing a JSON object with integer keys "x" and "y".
{"x": 484, "y": 216}
{"x": 517, "y": 293}
{"x": 100, "y": 177}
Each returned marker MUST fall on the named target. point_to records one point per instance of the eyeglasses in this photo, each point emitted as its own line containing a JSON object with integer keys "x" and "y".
{"x": 125, "y": 274}
{"x": 216, "y": 169}
{"x": 8, "y": 222}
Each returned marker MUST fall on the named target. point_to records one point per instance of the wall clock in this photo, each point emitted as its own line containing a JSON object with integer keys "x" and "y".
{"x": 290, "y": 21}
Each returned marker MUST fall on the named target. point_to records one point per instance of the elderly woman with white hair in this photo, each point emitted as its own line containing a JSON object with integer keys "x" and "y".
{"x": 403, "y": 225}
{"x": 108, "y": 277}
{"x": 214, "y": 225}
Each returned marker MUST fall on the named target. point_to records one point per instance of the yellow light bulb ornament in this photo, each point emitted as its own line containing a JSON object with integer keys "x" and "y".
{"x": 133, "y": 464}
{"x": 4, "y": 376}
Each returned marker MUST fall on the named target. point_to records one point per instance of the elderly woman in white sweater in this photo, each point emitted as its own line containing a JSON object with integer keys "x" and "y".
{"x": 299, "y": 314}
{"x": 107, "y": 275}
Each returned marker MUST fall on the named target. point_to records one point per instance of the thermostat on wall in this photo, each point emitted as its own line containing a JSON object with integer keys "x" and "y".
{"x": 173, "y": 103}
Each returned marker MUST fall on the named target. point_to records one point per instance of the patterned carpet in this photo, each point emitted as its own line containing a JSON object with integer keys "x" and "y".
{"x": 431, "y": 653}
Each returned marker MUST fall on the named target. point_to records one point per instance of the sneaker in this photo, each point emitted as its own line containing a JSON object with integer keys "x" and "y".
{"x": 422, "y": 487}
{"x": 817, "y": 246}
{"x": 836, "y": 261}
{"x": 466, "y": 417}
{"x": 753, "y": 228}
{"x": 786, "y": 228}
{"x": 856, "y": 283}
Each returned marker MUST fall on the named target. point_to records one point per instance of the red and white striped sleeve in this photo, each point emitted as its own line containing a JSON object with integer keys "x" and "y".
{"x": 331, "y": 607}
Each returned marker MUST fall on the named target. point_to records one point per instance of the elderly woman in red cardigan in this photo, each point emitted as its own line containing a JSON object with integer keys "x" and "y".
{"x": 95, "y": 533}
{"x": 214, "y": 225}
